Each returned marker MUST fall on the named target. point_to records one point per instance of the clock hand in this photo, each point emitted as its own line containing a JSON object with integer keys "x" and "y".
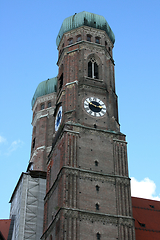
{"x": 92, "y": 104}
{"x": 100, "y": 106}
{"x": 95, "y": 105}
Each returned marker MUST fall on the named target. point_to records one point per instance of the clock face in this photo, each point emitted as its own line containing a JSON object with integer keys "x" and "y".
{"x": 58, "y": 118}
{"x": 94, "y": 106}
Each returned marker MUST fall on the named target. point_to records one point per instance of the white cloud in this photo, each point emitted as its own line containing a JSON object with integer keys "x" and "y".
{"x": 146, "y": 188}
{"x": 14, "y": 146}
{"x": 2, "y": 139}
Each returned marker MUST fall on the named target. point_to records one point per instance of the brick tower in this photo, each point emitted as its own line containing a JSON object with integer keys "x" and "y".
{"x": 43, "y": 105}
{"x": 88, "y": 187}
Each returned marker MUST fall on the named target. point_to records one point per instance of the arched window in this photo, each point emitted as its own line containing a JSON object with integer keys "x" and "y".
{"x": 49, "y": 104}
{"x": 88, "y": 37}
{"x": 42, "y": 106}
{"x": 97, "y": 40}
{"x": 93, "y": 69}
{"x": 70, "y": 41}
{"x": 79, "y": 38}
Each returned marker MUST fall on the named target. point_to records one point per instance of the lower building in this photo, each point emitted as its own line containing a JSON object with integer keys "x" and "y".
{"x": 4, "y": 228}
{"x": 27, "y": 206}
{"x": 146, "y": 213}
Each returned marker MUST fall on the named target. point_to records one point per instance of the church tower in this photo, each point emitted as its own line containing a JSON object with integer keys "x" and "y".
{"x": 88, "y": 187}
{"x": 43, "y": 105}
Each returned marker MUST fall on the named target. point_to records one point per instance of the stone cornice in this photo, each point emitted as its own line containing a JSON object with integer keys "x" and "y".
{"x": 44, "y": 98}
{"x": 91, "y": 216}
{"x": 118, "y": 140}
{"x": 85, "y": 42}
{"x": 41, "y": 148}
{"x": 89, "y": 175}
{"x": 90, "y": 128}
{"x": 43, "y": 113}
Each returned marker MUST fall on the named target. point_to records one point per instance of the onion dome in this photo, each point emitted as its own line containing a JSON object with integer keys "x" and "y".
{"x": 85, "y": 19}
{"x": 44, "y": 88}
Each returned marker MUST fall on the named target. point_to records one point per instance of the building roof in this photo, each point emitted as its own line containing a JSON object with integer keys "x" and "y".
{"x": 85, "y": 19}
{"x": 33, "y": 174}
{"x": 4, "y": 227}
{"x": 147, "y": 218}
{"x": 44, "y": 88}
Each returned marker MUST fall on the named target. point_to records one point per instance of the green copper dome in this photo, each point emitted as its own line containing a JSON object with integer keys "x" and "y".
{"x": 87, "y": 19}
{"x": 44, "y": 88}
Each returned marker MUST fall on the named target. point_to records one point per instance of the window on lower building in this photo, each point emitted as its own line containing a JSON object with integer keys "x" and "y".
{"x": 142, "y": 224}
{"x": 152, "y": 206}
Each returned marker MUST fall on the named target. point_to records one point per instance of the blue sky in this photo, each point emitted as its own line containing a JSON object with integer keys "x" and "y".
{"x": 29, "y": 55}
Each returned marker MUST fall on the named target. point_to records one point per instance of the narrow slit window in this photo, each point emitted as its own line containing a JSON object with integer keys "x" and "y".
{"x": 96, "y": 163}
{"x": 97, "y": 188}
{"x": 98, "y": 235}
{"x": 61, "y": 81}
{"x": 97, "y": 206}
{"x": 33, "y": 143}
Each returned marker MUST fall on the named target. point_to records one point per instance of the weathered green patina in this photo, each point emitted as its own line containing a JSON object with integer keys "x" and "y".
{"x": 44, "y": 88}
{"x": 85, "y": 19}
